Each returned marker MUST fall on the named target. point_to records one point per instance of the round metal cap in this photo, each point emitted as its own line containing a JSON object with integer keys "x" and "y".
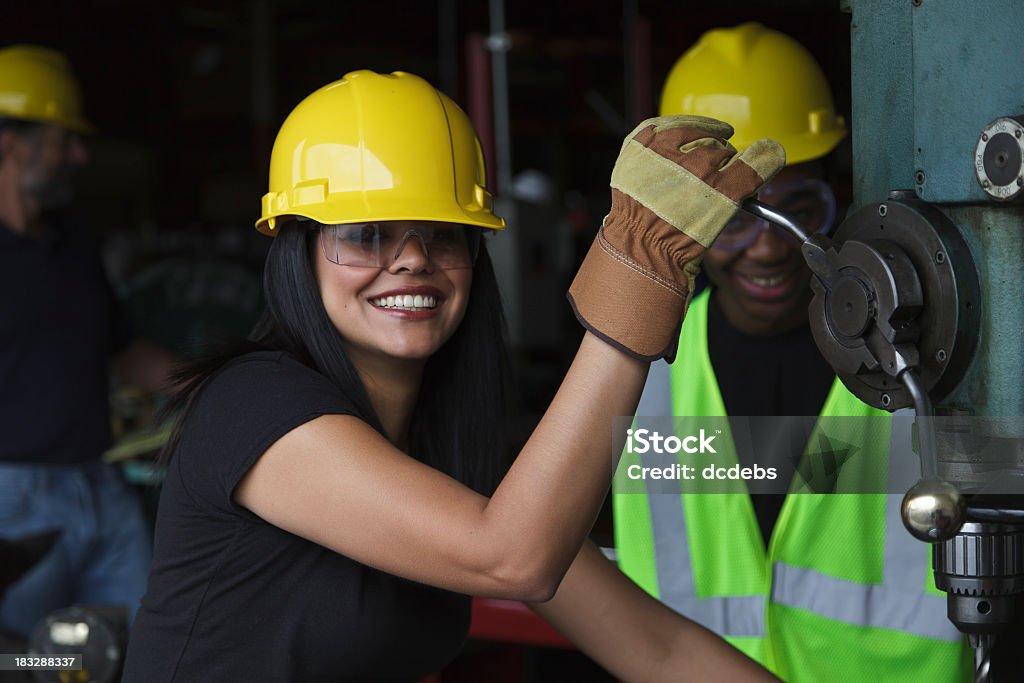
{"x": 999, "y": 159}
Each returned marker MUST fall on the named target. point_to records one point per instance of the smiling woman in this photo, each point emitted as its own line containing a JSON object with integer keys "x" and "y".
{"x": 336, "y": 489}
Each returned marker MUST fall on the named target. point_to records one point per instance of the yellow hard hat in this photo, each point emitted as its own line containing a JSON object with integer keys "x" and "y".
{"x": 377, "y": 147}
{"x": 36, "y": 84}
{"x": 762, "y": 82}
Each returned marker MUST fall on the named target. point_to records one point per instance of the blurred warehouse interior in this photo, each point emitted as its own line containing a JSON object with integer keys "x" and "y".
{"x": 186, "y": 97}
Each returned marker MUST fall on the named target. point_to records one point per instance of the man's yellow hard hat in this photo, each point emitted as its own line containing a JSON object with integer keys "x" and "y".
{"x": 37, "y": 84}
{"x": 763, "y": 83}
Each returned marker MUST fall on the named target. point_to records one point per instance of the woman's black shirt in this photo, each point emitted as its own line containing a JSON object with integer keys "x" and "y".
{"x": 234, "y": 598}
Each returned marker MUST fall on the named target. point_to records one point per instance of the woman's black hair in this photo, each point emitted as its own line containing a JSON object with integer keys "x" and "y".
{"x": 460, "y": 424}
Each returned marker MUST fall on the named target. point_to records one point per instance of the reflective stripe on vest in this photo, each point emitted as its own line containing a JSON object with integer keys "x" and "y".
{"x": 741, "y": 615}
{"x": 899, "y": 603}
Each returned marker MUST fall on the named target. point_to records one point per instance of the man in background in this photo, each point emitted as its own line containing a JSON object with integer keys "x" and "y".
{"x": 817, "y": 587}
{"x": 60, "y": 337}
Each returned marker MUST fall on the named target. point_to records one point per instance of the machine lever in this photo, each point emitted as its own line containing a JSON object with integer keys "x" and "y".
{"x": 933, "y": 509}
{"x": 813, "y": 247}
{"x": 925, "y": 427}
{"x": 762, "y": 210}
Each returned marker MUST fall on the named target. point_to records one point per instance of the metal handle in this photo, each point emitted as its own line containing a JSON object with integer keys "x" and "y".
{"x": 925, "y": 427}
{"x": 933, "y": 509}
{"x": 761, "y": 210}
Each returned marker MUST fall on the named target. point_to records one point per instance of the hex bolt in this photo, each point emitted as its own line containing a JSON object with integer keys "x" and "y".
{"x": 882, "y": 209}
{"x": 986, "y": 184}
{"x": 886, "y": 400}
{"x": 1016, "y": 133}
{"x": 984, "y": 137}
{"x": 940, "y": 355}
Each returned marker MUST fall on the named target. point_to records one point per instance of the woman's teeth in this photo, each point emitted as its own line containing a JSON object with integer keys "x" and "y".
{"x": 407, "y": 302}
{"x": 772, "y": 281}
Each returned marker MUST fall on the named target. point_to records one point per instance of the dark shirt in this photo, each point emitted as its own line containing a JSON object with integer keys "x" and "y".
{"x": 58, "y": 325}
{"x": 233, "y": 598}
{"x": 776, "y": 375}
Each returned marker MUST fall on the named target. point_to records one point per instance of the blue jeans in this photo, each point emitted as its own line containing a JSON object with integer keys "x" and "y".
{"x": 102, "y": 555}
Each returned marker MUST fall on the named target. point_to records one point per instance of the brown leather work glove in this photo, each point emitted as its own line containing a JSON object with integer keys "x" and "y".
{"x": 675, "y": 185}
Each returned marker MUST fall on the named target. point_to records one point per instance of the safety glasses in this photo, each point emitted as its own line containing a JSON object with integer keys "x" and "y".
{"x": 378, "y": 245}
{"x": 810, "y": 203}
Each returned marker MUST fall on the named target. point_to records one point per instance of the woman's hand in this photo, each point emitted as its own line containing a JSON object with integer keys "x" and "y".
{"x": 675, "y": 185}
{"x": 634, "y": 636}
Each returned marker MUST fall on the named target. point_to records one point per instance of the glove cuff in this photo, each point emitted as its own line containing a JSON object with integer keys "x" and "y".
{"x": 627, "y": 304}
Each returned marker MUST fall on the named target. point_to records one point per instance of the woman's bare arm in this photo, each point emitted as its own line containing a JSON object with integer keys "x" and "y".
{"x": 339, "y": 483}
{"x": 635, "y": 637}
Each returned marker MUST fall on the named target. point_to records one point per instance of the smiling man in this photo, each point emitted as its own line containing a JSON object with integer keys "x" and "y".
{"x": 816, "y": 587}
{"x": 759, "y": 277}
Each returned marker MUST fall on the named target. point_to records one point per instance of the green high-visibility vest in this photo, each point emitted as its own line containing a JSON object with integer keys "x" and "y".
{"x": 843, "y": 592}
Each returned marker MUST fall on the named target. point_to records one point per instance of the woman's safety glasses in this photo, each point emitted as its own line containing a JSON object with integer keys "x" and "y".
{"x": 378, "y": 245}
{"x": 810, "y": 203}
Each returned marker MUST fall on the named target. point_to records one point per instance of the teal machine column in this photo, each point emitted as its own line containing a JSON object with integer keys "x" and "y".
{"x": 938, "y": 141}
{"x": 928, "y": 76}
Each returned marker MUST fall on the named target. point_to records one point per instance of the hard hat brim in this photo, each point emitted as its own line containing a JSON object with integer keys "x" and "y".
{"x": 346, "y": 212}
{"x": 811, "y": 146}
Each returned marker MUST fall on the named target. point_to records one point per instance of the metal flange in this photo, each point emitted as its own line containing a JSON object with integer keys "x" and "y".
{"x": 896, "y": 288}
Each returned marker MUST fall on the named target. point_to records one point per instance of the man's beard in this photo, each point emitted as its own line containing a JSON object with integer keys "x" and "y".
{"x": 51, "y": 190}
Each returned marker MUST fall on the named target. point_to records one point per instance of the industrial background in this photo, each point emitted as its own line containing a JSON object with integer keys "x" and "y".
{"x": 186, "y": 98}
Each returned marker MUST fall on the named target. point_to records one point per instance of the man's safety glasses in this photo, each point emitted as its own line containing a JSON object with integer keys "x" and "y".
{"x": 810, "y": 203}
{"x": 378, "y": 245}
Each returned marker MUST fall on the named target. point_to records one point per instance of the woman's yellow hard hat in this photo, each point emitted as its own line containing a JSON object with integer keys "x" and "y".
{"x": 377, "y": 147}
